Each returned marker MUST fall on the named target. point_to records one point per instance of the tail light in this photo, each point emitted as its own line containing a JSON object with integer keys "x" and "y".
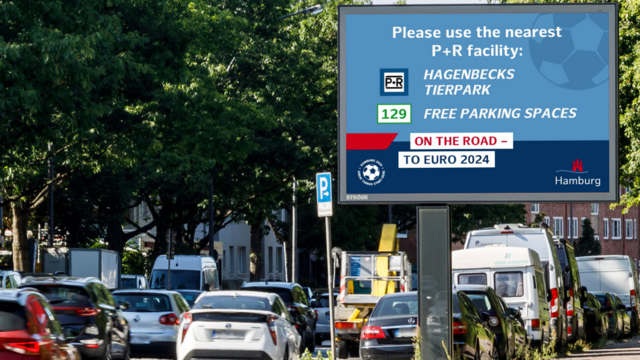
{"x": 186, "y": 321}
{"x": 79, "y": 311}
{"x": 554, "y": 303}
{"x": 459, "y": 327}
{"x": 493, "y": 321}
{"x": 535, "y": 324}
{"x": 609, "y": 314}
{"x": 633, "y": 299}
{"x": 316, "y": 311}
{"x": 24, "y": 348}
{"x": 506, "y": 232}
{"x": 371, "y": 332}
{"x": 569, "y": 330}
{"x": 169, "y": 319}
{"x": 346, "y": 325}
{"x": 271, "y": 324}
{"x": 570, "y": 304}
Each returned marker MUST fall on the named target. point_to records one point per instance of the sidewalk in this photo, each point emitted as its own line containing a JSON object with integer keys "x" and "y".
{"x": 626, "y": 349}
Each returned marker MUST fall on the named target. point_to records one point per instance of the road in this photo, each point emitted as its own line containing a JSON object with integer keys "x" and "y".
{"x": 315, "y": 353}
{"x": 628, "y": 349}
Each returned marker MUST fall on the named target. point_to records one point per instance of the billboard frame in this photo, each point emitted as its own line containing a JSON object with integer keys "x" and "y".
{"x": 612, "y": 195}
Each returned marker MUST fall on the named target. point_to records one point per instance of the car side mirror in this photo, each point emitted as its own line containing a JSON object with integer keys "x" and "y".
{"x": 629, "y": 308}
{"x": 621, "y": 307}
{"x": 301, "y": 319}
{"x": 585, "y": 294}
{"x": 608, "y": 308}
{"x": 484, "y": 316}
{"x": 123, "y": 305}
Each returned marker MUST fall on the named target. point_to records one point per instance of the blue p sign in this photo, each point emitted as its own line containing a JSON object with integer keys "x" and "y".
{"x": 323, "y": 190}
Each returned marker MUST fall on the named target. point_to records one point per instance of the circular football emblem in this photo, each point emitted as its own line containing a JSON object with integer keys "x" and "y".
{"x": 371, "y": 172}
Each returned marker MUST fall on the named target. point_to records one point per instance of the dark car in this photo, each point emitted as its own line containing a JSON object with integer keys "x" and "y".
{"x": 596, "y": 320}
{"x": 90, "y": 319}
{"x": 391, "y": 327}
{"x": 190, "y": 295}
{"x": 505, "y": 322}
{"x": 624, "y": 313}
{"x": 471, "y": 336}
{"x": 616, "y": 320}
{"x": 575, "y": 292}
{"x": 29, "y": 328}
{"x": 304, "y": 317}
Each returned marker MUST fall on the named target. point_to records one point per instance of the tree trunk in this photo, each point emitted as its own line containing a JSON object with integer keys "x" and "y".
{"x": 20, "y": 240}
{"x": 256, "y": 264}
{"x": 116, "y": 239}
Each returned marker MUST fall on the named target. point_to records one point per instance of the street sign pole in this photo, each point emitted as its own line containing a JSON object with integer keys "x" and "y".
{"x": 325, "y": 209}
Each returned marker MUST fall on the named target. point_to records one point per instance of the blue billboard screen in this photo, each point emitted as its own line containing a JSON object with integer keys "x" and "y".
{"x": 486, "y": 103}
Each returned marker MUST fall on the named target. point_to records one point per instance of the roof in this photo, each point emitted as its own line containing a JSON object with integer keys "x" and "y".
{"x": 60, "y": 280}
{"x": 516, "y": 228}
{"x": 144, "y": 291}
{"x": 235, "y": 293}
{"x": 129, "y": 276}
{"x": 14, "y": 295}
{"x": 494, "y": 257}
{"x": 400, "y": 294}
{"x": 602, "y": 257}
{"x": 483, "y": 288}
{"x": 275, "y": 284}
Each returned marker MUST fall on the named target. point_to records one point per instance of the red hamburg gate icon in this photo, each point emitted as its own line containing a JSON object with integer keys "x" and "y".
{"x": 577, "y": 165}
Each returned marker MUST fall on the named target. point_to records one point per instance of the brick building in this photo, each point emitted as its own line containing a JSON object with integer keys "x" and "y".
{"x": 617, "y": 232}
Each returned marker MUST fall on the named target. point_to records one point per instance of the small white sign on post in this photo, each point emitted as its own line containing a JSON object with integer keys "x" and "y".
{"x": 323, "y": 190}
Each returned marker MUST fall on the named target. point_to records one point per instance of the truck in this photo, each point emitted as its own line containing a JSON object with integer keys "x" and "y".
{"x": 365, "y": 277}
{"x": 100, "y": 263}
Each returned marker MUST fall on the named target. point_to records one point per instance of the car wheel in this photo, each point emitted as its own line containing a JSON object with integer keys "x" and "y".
{"x": 354, "y": 349}
{"x": 495, "y": 354}
{"x": 343, "y": 349}
{"x": 312, "y": 341}
{"x": 107, "y": 352}
{"x": 286, "y": 355}
{"x": 303, "y": 341}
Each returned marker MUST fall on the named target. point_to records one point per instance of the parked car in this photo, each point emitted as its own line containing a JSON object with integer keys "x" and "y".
{"x": 472, "y": 338}
{"x": 304, "y": 317}
{"x": 10, "y": 279}
{"x": 320, "y": 305}
{"x": 29, "y": 328}
{"x": 90, "y": 319}
{"x": 188, "y": 272}
{"x": 391, "y": 327}
{"x": 575, "y": 293}
{"x": 540, "y": 241}
{"x": 154, "y": 316}
{"x": 238, "y": 325}
{"x": 519, "y": 276}
{"x": 596, "y": 320}
{"x": 614, "y": 274}
{"x": 505, "y": 322}
{"x": 616, "y": 321}
{"x": 307, "y": 291}
{"x": 190, "y": 295}
{"x": 133, "y": 282}
{"x": 624, "y": 313}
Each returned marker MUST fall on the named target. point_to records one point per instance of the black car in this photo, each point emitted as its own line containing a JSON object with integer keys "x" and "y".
{"x": 304, "y": 317}
{"x": 90, "y": 319}
{"x": 391, "y": 327}
{"x": 472, "y": 338}
{"x": 505, "y": 322}
{"x": 610, "y": 306}
{"x": 596, "y": 319}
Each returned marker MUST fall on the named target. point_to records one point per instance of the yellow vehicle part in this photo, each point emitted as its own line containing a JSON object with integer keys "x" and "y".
{"x": 388, "y": 242}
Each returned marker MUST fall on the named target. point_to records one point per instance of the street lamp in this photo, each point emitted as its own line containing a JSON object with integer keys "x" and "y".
{"x": 314, "y": 10}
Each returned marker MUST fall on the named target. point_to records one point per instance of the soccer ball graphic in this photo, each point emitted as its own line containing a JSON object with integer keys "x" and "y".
{"x": 371, "y": 172}
{"x": 578, "y": 60}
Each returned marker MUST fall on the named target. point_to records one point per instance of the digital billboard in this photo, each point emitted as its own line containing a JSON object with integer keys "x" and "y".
{"x": 478, "y": 103}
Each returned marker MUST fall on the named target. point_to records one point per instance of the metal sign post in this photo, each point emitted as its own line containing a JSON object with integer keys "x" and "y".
{"x": 325, "y": 209}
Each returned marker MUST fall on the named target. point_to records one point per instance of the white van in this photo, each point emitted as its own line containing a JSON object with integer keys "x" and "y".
{"x": 517, "y": 276}
{"x": 540, "y": 241}
{"x": 188, "y": 272}
{"x": 613, "y": 274}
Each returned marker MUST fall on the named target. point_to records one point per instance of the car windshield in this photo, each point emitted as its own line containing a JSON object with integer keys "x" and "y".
{"x": 233, "y": 302}
{"x": 180, "y": 279}
{"x": 285, "y": 294}
{"x": 604, "y": 300}
{"x": 397, "y": 306}
{"x": 144, "y": 302}
{"x": 480, "y": 300}
{"x": 128, "y": 284}
{"x": 65, "y": 296}
{"x": 509, "y": 284}
{"x": 12, "y": 317}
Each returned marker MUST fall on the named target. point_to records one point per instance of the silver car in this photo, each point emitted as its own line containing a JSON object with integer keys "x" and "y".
{"x": 154, "y": 317}
{"x": 321, "y": 306}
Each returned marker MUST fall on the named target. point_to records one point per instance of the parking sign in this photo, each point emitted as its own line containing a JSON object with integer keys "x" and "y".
{"x": 323, "y": 190}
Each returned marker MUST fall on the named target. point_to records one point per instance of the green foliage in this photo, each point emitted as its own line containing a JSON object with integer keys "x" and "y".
{"x": 587, "y": 244}
{"x": 136, "y": 262}
{"x": 417, "y": 347}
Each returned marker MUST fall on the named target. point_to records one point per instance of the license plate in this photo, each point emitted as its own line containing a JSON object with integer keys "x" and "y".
{"x": 406, "y": 332}
{"x": 140, "y": 339}
{"x": 226, "y": 335}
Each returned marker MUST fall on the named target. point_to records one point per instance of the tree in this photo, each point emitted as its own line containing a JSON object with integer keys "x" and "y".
{"x": 587, "y": 244}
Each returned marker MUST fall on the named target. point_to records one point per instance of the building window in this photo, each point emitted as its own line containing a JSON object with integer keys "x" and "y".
{"x": 242, "y": 261}
{"x": 627, "y": 189}
{"x": 270, "y": 259}
{"x": 535, "y": 208}
{"x": 224, "y": 259}
{"x": 279, "y": 259}
{"x": 595, "y": 208}
{"x": 558, "y": 223}
{"x": 574, "y": 228}
{"x": 628, "y": 229}
{"x": 635, "y": 228}
{"x": 547, "y": 220}
{"x": 616, "y": 229}
{"x": 232, "y": 260}
{"x": 605, "y": 228}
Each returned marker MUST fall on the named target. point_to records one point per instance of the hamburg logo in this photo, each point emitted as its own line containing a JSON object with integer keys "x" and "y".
{"x": 371, "y": 172}
{"x": 576, "y": 168}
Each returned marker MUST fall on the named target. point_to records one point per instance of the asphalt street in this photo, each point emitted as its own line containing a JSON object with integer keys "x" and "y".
{"x": 628, "y": 349}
